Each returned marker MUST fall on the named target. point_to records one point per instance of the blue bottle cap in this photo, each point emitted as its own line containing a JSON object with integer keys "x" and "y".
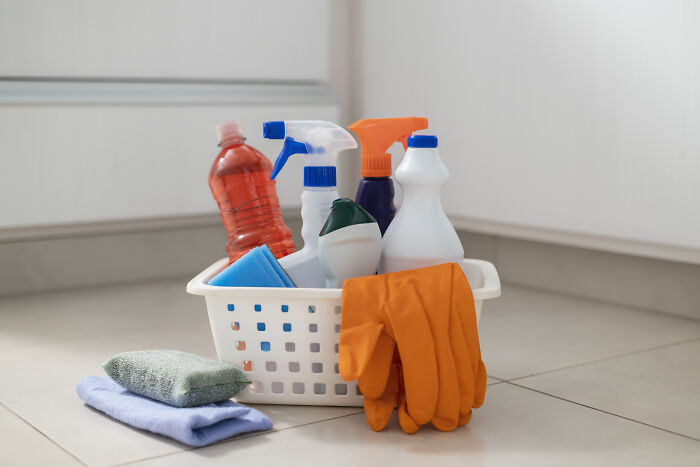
{"x": 319, "y": 176}
{"x": 422, "y": 141}
{"x": 273, "y": 130}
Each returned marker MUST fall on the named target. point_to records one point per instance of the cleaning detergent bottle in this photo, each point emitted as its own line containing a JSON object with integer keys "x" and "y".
{"x": 319, "y": 142}
{"x": 420, "y": 234}
{"x": 375, "y": 192}
{"x": 240, "y": 182}
{"x": 350, "y": 243}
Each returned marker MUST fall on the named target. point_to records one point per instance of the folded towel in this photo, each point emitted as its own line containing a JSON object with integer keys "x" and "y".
{"x": 257, "y": 268}
{"x": 195, "y": 426}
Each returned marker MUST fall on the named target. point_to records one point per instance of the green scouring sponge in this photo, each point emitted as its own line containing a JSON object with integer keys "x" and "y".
{"x": 176, "y": 378}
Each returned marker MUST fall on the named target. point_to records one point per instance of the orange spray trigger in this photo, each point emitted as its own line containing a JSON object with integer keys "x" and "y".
{"x": 376, "y": 135}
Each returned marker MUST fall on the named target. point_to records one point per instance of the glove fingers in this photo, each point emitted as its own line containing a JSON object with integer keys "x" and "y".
{"x": 480, "y": 386}
{"x": 417, "y": 348}
{"x": 374, "y": 380}
{"x": 355, "y": 349}
{"x": 464, "y": 367}
{"x": 463, "y": 303}
{"x": 436, "y": 298}
{"x": 449, "y": 397}
{"x": 361, "y": 323}
{"x": 407, "y": 423}
{"x": 378, "y": 411}
{"x": 464, "y": 418}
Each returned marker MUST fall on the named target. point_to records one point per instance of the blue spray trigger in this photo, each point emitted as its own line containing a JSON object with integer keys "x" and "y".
{"x": 290, "y": 147}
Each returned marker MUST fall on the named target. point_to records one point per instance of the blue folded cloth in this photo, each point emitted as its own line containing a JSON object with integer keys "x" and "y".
{"x": 195, "y": 426}
{"x": 257, "y": 268}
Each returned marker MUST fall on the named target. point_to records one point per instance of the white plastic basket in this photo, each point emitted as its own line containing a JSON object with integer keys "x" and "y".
{"x": 286, "y": 339}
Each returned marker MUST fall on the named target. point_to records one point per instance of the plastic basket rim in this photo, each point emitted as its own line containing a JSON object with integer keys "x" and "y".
{"x": 490, "y": 288}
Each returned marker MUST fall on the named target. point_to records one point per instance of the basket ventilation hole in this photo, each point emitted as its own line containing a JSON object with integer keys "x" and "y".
{"x": 317, "y": 367}
{"x": 265, "y": 346}
{"x": 357, "y": 390}
{"x": 261, "y": 326}
{"x": 289, "y": 346}
{"x": 230, "y": 307}
{"x": 337, "y": 369}
{"x": 313, "y": 327}
{"x": 341, "y": 389}
{"x": 337, "y": 310}
{"x": 315, "y": 347}
{"x": 312, "y": 308}
{"x": 257, "y": 386}
{"x": 336, "y": 348}
{"x": 277, "y": 387}
{"x": 285, "y": 308}
{"x": 240, "y": 345}
{"x": 271, "y": 366}
{"x": 319, "y": 388}
{"x": 287, "y": 327}
{"x": 258, "y": 307}
{"x": 294, "y": 367}
{"x": 337, "y": 328}
{"x": 298, "y": 388}
{"x": 247, "y": 365}
{"x": 235, "y": 326}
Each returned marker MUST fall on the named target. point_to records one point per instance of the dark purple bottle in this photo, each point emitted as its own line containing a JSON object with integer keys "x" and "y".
{"x": 376, "y": 191}
{"x": 376, "y": 196}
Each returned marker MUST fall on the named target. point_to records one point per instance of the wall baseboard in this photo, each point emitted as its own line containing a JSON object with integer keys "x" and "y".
{"x": 44, "y": 259}
{"x": 635, "y": 281}
{"x": 36, "y": 260}
{"x": 577, "y": 240}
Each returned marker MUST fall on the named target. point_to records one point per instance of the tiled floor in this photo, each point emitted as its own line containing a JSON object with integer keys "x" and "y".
{"x": 573, "y": 382}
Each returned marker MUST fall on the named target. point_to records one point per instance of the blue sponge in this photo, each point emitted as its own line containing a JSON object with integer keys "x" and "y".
{"x": 257, "y": 268}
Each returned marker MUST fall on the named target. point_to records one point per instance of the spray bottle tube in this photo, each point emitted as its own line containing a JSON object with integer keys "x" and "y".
{"x": 319, "y": 142}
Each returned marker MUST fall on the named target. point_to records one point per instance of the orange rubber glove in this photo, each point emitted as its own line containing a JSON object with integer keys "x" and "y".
{"x": 428, "y": 315}
{"x": 366, "y": 348}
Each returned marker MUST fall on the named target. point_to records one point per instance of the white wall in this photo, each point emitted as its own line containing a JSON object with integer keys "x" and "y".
{"x": 560, "y": 120}
{"x": 568, "y": 121}
{"x": 107, "y": 109}
{"x": 173, "y": 39}
{"x": 76, "y": 163}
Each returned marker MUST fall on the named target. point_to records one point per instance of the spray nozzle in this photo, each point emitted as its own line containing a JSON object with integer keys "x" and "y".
{"x": 273, "y": 130}
{"x": 319, "y": 142}
{"x": 377, "y": 135}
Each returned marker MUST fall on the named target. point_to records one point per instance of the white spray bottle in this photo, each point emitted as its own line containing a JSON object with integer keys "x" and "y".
{"x": 420, "y": 235}
{"x": 319, "y": 142}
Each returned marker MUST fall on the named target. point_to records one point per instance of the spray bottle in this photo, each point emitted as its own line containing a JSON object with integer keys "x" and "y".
{"x": 350, "y": 244}
{"x": 319, "y": 142}
{"x": 375, "y": 193}
{"x": 420, "y": 235}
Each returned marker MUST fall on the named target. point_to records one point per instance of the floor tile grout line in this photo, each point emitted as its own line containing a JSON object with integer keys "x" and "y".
{"x": 194, "y": 448}
{"x": 603, "y": 411}
{"x": 600, "y": 360}
{"x": 600, "y": 301}
{"x": 254, "y": 435}
{"x": 321, "y": 421}
{"x": 52, "y": 441}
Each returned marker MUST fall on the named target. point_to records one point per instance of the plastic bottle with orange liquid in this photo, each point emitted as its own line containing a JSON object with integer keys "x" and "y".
{"x": 240, "y": 182}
